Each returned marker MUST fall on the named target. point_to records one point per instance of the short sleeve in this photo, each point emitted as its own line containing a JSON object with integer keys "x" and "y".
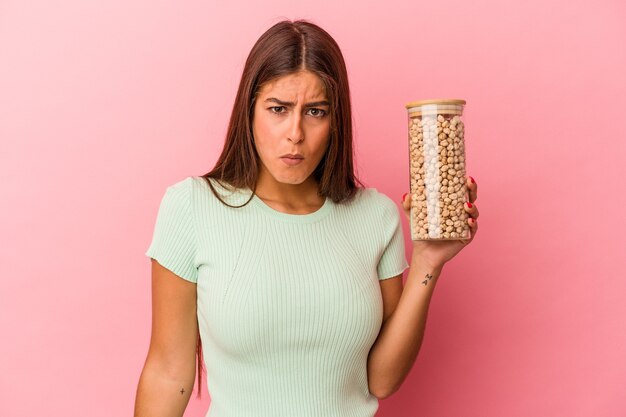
{"x": 393, "y": 260}
{"x": 174, "y": 242}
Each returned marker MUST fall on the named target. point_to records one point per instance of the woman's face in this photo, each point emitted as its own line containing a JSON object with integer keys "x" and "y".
{"x": 291, "y": 117}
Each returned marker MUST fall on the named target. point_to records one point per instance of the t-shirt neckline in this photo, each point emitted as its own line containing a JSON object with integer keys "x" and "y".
{"x": 296, "y": 218}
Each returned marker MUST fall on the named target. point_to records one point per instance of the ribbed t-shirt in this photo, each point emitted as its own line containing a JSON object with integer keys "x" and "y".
{"x": 288, "y": 305}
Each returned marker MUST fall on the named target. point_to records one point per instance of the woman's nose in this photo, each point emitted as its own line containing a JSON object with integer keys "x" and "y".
{"x": 296, "y": 134}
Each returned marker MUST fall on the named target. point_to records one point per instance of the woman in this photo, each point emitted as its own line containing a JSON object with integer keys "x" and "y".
{"x": 287, "y": 271}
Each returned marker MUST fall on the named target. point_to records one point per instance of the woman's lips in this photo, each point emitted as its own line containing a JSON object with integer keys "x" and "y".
{"x": 291, "y": 161}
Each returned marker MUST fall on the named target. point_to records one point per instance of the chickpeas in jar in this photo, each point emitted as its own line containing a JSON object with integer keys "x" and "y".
{"x": 438, "y": 189}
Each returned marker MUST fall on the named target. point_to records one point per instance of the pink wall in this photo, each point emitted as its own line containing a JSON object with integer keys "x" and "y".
{"x": 103, "y": 104}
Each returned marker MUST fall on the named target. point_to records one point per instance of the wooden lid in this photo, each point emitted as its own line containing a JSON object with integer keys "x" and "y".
{"x": 435, "y": 101}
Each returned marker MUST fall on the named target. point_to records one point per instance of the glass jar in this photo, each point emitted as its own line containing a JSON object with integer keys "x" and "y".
{"x": 438, "y": 188}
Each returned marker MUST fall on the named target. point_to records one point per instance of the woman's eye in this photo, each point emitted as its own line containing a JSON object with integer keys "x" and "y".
{"x": 318, "y": 112}
{"x": 272, "y": 109}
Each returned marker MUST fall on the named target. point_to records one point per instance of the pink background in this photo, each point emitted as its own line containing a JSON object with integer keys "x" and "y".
{"x": 104, "y": 104}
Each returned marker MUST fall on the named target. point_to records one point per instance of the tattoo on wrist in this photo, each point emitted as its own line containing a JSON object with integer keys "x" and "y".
{"x": 428, "y": 278}
{"x": 182, "y": 391}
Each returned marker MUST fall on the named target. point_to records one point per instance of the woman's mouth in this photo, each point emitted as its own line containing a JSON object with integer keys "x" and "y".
{"x": 291, "y": 161}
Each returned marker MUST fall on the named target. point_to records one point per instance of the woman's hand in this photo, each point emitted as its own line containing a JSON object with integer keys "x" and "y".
{"x": 435, "y": 253}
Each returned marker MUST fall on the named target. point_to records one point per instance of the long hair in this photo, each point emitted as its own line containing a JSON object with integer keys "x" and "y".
{"x": 287, "y": 48}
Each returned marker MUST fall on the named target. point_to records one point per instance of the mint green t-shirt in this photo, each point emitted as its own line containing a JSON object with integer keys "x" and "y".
{"x": 288, "y": 305}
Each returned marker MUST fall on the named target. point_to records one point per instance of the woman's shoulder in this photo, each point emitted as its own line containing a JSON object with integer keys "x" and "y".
{"x": 202, "y": 181}
{"x": 190, "y": 187}
{"x": 370, "y": 203}
{"x": 205, "y": 193}
{"x": 371, "y": 196}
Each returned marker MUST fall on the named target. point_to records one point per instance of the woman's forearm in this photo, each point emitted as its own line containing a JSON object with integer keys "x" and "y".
{"x": 395, "y": 350}
{"x": 162, "y": 394}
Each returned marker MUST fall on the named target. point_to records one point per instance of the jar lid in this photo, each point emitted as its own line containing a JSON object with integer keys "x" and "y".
{"x": 434, "y": 101}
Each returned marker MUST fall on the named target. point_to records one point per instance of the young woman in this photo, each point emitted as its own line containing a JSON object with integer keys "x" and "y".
{"x": 279, "y": 264}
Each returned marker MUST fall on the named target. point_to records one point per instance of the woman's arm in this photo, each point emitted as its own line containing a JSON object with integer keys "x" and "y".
{"x": 401, "y": 334}
{"x": 400, "y": 338}
{"x": 167, "y": 379}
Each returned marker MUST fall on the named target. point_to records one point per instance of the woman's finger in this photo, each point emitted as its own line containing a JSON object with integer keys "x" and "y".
{"x": 406, "y": 202}
{"x": 471, "y": 209}
{"x": 472, "y": 187}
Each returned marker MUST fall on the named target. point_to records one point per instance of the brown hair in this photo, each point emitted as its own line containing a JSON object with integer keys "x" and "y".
{"x": 286, "y": 48}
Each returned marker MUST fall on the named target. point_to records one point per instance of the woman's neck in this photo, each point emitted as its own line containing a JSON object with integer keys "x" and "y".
{"x": 300, "y": 198}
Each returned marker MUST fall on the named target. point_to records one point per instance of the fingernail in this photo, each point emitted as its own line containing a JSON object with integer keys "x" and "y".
{"x": 469, "y": 204}
{"x": 404, "y": 196}
{"x": 472, "y": 179}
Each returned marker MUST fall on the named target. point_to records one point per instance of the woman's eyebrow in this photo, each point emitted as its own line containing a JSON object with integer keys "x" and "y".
{"x": 291, "y": 103}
